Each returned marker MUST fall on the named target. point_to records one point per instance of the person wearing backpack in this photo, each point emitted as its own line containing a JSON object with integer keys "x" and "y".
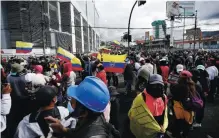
{"x": 185, "y": 102}
{"x": 199, "y": 113}
{"x": 87, "y": 102}
{"x": 34, "y": 125}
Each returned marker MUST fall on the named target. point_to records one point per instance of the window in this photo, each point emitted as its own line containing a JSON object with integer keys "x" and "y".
{"x": 65, "y": 16}
{"x": 53, "y": 12}
{"x": 213, "y": 42}
{"x": 85, "y": 33}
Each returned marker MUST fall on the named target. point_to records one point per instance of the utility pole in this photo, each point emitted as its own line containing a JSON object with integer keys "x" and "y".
{"x": 130, "y": 16}
{"x": 184, "y": 12}
{"x": 140, "y": 2}
{"x": 195, "y": 28}
{"x": 171, "y": 31}
{"x": 42, "y": 25}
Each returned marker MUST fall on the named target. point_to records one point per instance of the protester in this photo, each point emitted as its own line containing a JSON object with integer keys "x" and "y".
{"x": 204, "y": 79}
{"x": 163, "y": 70}
{"x": 87, "y": 67}
{"x": 199, "y": 115}
{"x": 115, "y": 107}
{"x": 213, "y": 74}
{"x": 88, "y": 109}
{"x": 69, "y": 75}
{"x": 149, "y": 66}
{"x": 34, "y": 125}
{"x": 182, "y": 92}
{"x": 153, "y": 105}
{"x": 100, "y": 73}
{"x": 39, "y": 78}
{"x": 5, "y": 105}
{"x": 128, "y": 76}
{"x": 21, "y": 104}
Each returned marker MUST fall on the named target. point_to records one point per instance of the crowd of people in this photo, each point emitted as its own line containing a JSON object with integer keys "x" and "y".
{"x": 44, "y": 97}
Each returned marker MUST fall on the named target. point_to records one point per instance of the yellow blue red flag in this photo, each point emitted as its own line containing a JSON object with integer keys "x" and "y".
{"x": 76, "y": 64}
{"x": 113, "y": 63}
{"x": 23, "y": 47}
{"x": 64, "y": 54}
{"x": 69, "y": 57}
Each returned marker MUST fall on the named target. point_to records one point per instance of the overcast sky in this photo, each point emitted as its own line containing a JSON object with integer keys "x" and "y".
{"x": 115, "y": 13}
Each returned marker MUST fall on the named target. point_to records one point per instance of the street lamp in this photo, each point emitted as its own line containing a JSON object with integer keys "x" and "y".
{"x": 140, "y": 2}
{"x": 183, "y": 23}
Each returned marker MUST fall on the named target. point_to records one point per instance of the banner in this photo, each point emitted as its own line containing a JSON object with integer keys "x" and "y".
{"x": 23, "y": 47}
{"x": 69, "y": 57}
{"x": 113, "y": 63}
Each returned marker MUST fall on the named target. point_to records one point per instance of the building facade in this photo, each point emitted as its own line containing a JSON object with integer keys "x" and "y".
{"x": 50, "y": 24}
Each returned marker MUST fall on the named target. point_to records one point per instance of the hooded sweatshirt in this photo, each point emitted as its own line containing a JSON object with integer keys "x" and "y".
{"x": 71, "y": 76}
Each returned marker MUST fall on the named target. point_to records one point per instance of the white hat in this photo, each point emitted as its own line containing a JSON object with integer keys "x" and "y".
{"x": 179, "y": 68}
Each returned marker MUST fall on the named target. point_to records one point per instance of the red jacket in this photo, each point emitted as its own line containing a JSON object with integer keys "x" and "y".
{"x": 102, "y": 75}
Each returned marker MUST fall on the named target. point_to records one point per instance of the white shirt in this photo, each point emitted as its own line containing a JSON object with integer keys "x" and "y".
{"x": 5, "y": 109}
{"x": 212, "y": 71}
{"x": 32, "y": 130}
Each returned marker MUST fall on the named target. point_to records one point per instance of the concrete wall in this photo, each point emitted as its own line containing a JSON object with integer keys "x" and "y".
{"x": 5, "y": 35}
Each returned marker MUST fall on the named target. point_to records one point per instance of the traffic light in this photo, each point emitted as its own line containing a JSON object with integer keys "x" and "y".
{"x": 141, "y": 2}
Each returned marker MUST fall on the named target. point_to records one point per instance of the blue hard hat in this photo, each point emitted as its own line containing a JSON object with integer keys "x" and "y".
{"x": 92, "y": 93}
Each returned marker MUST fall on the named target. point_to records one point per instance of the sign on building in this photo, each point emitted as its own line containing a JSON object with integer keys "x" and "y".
{"x": 191, "y": 32}
{"x": 176, "y": 8}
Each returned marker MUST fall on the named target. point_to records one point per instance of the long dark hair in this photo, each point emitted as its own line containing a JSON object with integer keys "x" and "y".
{"x": 189, "y": 84}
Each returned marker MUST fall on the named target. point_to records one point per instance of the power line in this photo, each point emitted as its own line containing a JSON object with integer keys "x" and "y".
{"x": 143, "y": 28}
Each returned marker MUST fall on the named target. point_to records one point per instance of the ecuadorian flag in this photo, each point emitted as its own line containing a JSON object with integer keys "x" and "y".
{"x": 76, "y": 64}
{"x": 64, "y": 54}
{"x": 113, "y": 63}
{"x": 69, "y": 57}
{"x": 23, "y": 47}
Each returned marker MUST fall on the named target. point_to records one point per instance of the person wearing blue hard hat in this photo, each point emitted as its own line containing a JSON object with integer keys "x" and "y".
{"x": 87, "y": 102}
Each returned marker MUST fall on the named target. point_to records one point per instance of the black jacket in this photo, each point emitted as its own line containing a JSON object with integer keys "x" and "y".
{"x": 92, "y": 128}
{"x": 128, "y": 72}
{"x": 114, "y": 112}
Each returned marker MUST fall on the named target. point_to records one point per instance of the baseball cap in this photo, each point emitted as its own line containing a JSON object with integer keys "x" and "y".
{"x": 179, "y": 67}
{"x": 156, "y": 79}
{"x": 201, "y": 67}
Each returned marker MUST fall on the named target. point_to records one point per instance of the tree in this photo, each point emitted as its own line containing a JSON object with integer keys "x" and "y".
{"x": 102, "y": 43}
